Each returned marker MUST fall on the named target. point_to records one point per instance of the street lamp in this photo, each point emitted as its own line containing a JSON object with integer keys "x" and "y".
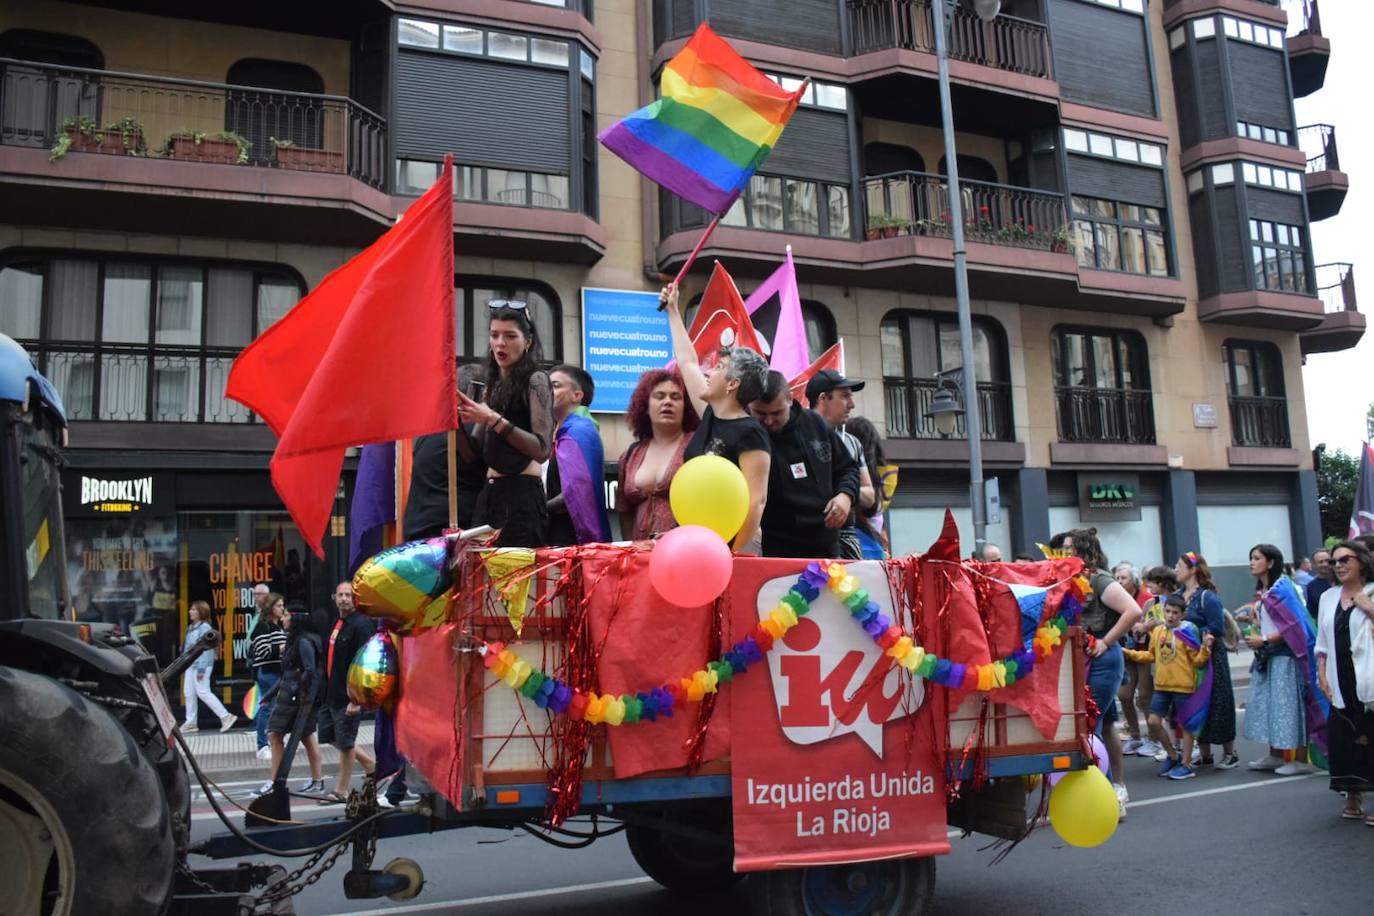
{"x": 944, "y": 407}
{"x": 986, "y": 10}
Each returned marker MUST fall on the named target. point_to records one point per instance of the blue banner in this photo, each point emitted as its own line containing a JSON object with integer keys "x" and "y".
{"x": 623, "y": 335}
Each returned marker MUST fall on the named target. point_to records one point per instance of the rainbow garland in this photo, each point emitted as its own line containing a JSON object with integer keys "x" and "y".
{"x": 558, "y": 697}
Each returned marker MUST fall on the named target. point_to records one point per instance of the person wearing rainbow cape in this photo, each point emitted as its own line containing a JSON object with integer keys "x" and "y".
{"x": 1285, "y": 710}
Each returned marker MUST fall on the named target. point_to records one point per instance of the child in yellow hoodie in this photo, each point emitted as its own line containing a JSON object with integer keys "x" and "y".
{"x": 1176, "y": 654}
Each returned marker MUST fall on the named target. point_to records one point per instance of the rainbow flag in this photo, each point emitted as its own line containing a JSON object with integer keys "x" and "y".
{"x": 717, "y": 120}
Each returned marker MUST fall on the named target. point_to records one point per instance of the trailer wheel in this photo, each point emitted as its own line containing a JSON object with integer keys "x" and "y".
{"x": 80, "y": 804}
{"x": 686, "y": 864}
{"x": 897, "y": 887}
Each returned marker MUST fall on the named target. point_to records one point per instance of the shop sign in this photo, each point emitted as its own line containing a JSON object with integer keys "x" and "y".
{"x": 1109, "y": 497}
{"x": 623, "y": 336}
{"x": 99, "y": 494}
{"x": 1205, "y": 416}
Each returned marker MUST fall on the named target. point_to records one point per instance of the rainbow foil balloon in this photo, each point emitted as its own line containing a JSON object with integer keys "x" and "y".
{"x": 375, "y": 672}
{"x": 408, "y": 586}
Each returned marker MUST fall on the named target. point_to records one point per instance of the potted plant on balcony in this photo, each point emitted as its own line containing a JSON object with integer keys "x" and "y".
{"x": 225, "y": 147}
{"x": 287, "y": 155}
{"x": 883, "y": 226}
{"x": 119, "y": 138}
{"x": 1064, "y": 240}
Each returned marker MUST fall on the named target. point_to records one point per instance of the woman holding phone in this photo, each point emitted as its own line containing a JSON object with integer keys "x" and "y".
{"x": 514, "y": 428}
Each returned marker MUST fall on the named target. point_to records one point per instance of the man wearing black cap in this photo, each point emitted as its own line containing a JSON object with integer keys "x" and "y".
{"x": 832, "y": 396}
{"x": 813, "y": 481}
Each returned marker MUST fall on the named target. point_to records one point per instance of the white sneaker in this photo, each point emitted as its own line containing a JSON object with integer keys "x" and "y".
{"x": 1197, "y": 754}
{"x": 189, "y": 727}
{"x": 264, "y": 789}
{"x": 1267, "y": 762}
{"x": 1120, "y": 812}
{"x": 384, "y": 802}
{"x": 1161, "y": 755}
{"x": 1296, "y": 768}
{"x": 1149, "y": 748}
{"x": 1122, "y": 796}
{"x": 312, "y": 785}
{"x": 227, "y": 721}
{"x": 264, "y": 753}
{"x": 1131, "y": 746}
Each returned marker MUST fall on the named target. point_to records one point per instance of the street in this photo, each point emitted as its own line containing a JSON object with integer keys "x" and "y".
{"x": 1225, "y": 842}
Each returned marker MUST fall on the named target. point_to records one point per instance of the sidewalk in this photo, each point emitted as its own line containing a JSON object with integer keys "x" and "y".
{"x": 233, "y": 754}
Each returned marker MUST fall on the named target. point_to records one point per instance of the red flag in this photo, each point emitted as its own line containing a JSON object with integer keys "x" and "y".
{"x": 722, "y": 320}
{"x": 325, "y": 377}
{"x": 830, "y": 359}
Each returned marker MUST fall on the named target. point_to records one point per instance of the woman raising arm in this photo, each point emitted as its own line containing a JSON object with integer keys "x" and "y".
{"x": 720, "y": 395}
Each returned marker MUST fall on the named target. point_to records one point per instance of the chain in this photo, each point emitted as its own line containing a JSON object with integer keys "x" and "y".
{"x": 185, "y": 870}
{"x": 293, "y": 884}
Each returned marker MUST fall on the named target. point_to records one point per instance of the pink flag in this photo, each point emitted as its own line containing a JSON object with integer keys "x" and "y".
{"x": 789, "y": 353}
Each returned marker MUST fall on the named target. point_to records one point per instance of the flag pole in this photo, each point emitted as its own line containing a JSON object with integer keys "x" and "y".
{"x": 453, "y": 479}
{"x": 691, "y": 258}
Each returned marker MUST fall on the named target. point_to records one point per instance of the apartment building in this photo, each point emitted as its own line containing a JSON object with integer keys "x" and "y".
{"x": 1137, "y": 190}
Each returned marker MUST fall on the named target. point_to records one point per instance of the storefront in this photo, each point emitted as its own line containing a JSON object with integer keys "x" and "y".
{"x": 1124, "y": 507}
{"x": 143, "y": 544}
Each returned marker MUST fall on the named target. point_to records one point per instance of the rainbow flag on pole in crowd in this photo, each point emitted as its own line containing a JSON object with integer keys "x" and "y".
{"x": 715, "y": 123}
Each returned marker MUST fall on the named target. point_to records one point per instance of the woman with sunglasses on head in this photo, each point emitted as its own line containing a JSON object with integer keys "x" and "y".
{"x": 514, "y": 428}
{"x": 1283, "y": 711}
{"x": 1206, "y": 612}
{"x": 720, "y": 395}
{"x": 1344, "y": 621}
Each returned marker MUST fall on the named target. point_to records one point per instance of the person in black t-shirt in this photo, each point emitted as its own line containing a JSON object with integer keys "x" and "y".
{"x": 720, "y": 395}
{"x": 813, "y": 480}
{"x": 427, "y": 504}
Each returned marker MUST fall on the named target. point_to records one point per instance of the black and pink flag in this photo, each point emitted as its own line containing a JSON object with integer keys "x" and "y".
{"x": 1362, "y": 513}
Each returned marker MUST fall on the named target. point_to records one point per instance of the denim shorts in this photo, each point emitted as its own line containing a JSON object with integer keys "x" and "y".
{"x": 1104, "y": 680}
{"x": 1166, "y": 702}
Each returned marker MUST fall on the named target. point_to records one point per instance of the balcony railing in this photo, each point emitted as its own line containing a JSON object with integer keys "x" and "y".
{"x": 1260, "y": 422}
{"x": 1336, "y": 287}
{"x": 124, "y": 383}
{"x": 917, "y": 203}
{"x": 908, "y": 399}
{"x": 1318, "y": 142}
{"x": 1304, "y": 17}
{"x": 1113, "y": 415}
{"x": 1007, "y": 43}
{"x": 40, "y": 104}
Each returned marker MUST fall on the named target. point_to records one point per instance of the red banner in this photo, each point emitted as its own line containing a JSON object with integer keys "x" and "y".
{"x": 837, "y": 751}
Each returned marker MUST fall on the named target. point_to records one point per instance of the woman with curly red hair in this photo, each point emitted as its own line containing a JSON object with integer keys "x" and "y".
{"x": 662, "y": 419}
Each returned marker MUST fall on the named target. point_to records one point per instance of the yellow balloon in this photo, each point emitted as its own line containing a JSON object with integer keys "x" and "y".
{"x": 711, "y": 492}
{"x": 1084, "y": 809}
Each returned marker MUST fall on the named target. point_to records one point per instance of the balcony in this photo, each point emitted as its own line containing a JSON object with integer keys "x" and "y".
{"x": 1112, "y": 416}
{"x": 1343, "y": 324}
{"x": 1007, "y": 43}
{"x": 149, "y": 143}
{"x": 1018, "y": 242}
{"x": 1308, "y": 49}
{"x": 1324, "y": 182}
{"x": 1258, "y": 422}
{"x": 908, "y": 400}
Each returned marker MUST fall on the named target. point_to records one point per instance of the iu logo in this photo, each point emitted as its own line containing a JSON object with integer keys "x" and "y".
{"x": 831, "y": 679}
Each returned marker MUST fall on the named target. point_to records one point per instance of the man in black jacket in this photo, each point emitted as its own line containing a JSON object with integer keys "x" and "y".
{"x": 813, "y": 480}
{"x": 339, "y": 719}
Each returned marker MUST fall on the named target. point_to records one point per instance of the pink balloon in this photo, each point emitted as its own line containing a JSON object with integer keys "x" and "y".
{"x": 1099, "y": 755}
{"x": 690, "y": 566}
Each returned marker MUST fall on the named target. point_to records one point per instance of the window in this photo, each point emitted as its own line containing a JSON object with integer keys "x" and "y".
{"x": 1278, "y": 256}
{"x": 917, "y": 347}
{"x": 1268, "y": 176}
{"x": 502, "y": 45}
{"x": 819, "y": 95}
{"x": 471, "y": 295}
{"x": 497, "y": 186}
{"x": 1255, "y": 389}
{"x": 1120, "y": 236}
{"x": 1264, "y": 134}
{"x": 1251, "y": 32}
{"x": 1102, "y": 386}
{"x": 1095, "y": 144}
{"x": 794, "y": 205}
{"x": 124, "y": 339}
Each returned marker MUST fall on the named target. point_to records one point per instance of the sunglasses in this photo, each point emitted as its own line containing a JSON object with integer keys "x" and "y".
{"x": 1341, "y": 561}
{"x": 518, "y": 305}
